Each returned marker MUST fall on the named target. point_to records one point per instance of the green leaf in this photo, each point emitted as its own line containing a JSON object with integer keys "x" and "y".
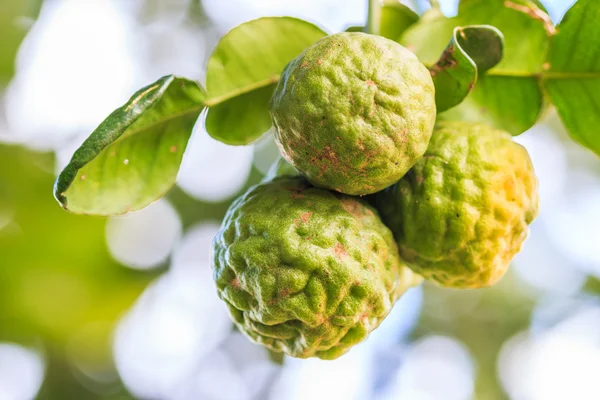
{"x": 526, "y": 29}
{"x": 243, "y": 71}
{"x": 510, "y": 103}
{"x": 573, "y": 77}
{"x": 133, "y": 157}
{"x": 228, "y": 123}
{"x": 483, "y": 43}
{"x": 13, "y": 14}
{"x": 355, "y": 28}
{"x": 472, "y": 49}
{"x": 395, "y": 19}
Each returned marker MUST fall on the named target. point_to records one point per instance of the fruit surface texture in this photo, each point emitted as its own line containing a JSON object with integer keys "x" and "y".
{"x": 462, "y": 212}
{"x": 354, "y": 112}
{"x": 305, "y": 271}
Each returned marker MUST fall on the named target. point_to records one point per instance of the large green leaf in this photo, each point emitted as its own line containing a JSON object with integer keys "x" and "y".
{"x": 573, "y": 78}
{"x": 472, "y": 49}
{"x": 508, "y": 95}
{"x": 133, "y": 157}
{"x": 243, "y": 71}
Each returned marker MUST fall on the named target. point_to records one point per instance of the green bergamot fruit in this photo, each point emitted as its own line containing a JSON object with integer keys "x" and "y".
{"x": 305, "y": 271}
{"x": 462, "y": 212}
{"x": 354, "y": 112}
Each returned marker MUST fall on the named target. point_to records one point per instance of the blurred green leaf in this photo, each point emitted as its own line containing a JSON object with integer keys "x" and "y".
{"x": 243, "y": 71}
{"x": 573, "y": 77}
{"x": 15, "y": 18}
{"x": 508, "y": 95}
{"x": 133, "y": 157}
{"x": 56, "y": 275}
{"x": 472, "y": 48}
{"x": 479, "y": 319}
{"x": 592, "y": 285}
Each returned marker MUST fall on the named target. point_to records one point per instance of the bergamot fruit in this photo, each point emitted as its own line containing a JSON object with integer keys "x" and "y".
{"x": 353, "y": 112}
{"x": 462, "y": 212}
{"x": 305, "y": 271}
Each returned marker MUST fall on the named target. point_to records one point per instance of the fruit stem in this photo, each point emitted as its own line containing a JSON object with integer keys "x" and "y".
{"x": 434, "y": 4}
{"x": 374, "y": 16}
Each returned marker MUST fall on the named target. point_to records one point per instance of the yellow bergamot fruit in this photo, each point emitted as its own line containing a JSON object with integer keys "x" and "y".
{"x": 305, "y": 271}
{"x": 462, "y": 212}
{"x": 353, "y": 112}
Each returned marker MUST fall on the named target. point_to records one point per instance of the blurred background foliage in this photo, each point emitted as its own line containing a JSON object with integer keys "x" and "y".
{"x": 15, "y": 18}
{"x": 119, "y": 308}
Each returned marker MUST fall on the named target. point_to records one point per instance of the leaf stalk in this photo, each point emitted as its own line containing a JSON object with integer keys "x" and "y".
{"x": 434, "y": 4}
{"x": 374, "y": 17}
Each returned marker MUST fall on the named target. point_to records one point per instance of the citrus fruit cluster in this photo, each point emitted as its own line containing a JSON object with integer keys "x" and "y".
{"x": 309, "y": 267}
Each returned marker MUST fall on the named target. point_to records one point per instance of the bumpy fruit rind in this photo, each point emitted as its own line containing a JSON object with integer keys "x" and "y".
{"x": 305, "y": 271}
{"x": 353, "y": 112}
{"x": 462, "y": 212}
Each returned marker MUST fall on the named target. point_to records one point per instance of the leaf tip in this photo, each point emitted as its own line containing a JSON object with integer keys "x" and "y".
{"x": 59, "y": 194}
